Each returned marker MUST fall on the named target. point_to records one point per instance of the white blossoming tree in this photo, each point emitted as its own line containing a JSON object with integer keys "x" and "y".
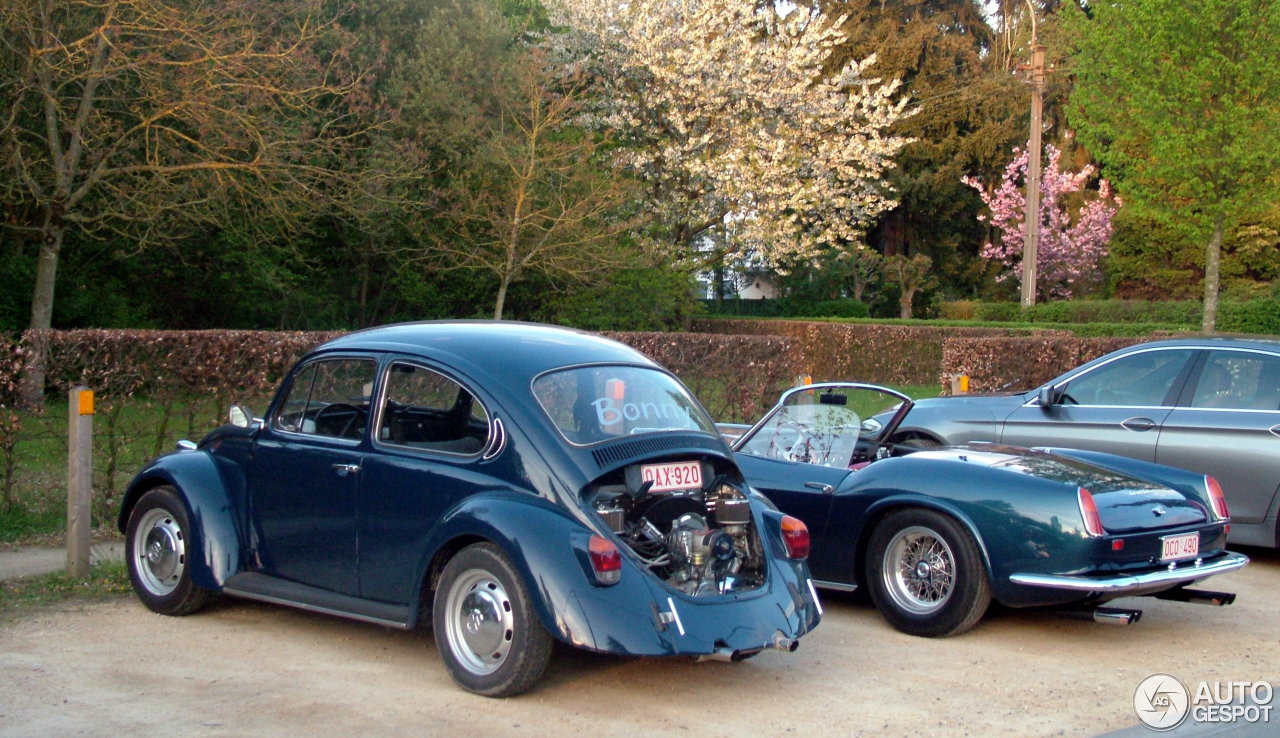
{"x": 726, "y": 109}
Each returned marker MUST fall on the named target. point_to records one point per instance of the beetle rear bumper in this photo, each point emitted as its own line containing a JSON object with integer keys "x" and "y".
{"x": 1134, "y": 584}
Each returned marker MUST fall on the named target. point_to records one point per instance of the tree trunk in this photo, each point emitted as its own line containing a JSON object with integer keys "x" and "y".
{"x": 1211, "y": 261}
{"x": 904, "y": 303}
{"x": 501, "y": 299}
{"x": 32, "y": 390}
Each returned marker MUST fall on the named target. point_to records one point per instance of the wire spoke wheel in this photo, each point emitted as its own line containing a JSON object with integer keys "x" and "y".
{"x": 926, "y": 574}
{"x": 919, "y": 570}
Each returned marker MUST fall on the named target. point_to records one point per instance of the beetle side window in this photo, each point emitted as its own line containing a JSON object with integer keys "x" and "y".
{"x": 1240, "y": 380}
{"x": 329, "y": 398}
{"x": 1142, "y": 379}
{"x": 427, "y": 410}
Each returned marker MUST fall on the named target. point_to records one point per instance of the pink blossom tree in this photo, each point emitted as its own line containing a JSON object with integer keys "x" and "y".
{"x": 1073, "y": 241}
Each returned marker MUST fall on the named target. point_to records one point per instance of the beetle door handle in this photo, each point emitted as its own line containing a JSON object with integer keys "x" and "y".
{"x": 345, "y": 469}
{"x": 825, "y": 489}
{"x": 1138, "y": 424}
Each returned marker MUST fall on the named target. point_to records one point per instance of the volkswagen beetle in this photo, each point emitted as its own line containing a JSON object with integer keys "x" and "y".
{"x": 935, "y": 534}
{"x": 509, "y": 484}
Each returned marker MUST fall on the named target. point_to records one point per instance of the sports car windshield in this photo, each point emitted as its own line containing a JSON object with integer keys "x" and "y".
{"x": 596, "y": 403}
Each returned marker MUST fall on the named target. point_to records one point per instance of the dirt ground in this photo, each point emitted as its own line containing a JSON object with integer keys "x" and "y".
{"x": 242, "y": 668}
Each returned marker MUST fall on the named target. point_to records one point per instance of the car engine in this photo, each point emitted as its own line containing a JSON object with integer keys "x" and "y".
{"x": 701, "y": 541}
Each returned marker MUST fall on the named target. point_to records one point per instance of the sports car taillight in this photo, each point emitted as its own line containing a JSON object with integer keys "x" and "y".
{"x": 795, "y": 536}
{"x": 606, "y": 560}
{"x": 1089, "y": 511}
{"x": 1216, "y": 498}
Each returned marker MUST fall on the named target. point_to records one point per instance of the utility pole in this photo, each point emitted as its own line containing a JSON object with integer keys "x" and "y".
{"x": 1031, "y": 217}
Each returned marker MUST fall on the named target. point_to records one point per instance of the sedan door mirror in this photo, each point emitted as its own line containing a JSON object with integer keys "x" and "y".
{"x": 1047, "y": 397}
{"x": 241, "y": 417}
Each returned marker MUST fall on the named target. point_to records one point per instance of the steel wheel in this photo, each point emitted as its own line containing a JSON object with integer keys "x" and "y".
{"x": 479, "y": 621}
{"x": 919, "y": 570}
{"x": 160, "y": 546}
{"x": 487, "y": 632}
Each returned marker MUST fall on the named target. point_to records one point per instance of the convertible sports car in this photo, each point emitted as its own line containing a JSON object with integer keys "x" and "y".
{"x": 508, "y": 483}
{"x": 936, "y": 534}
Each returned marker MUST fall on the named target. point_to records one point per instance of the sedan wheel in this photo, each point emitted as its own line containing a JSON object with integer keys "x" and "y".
{"x": 157, "y": 548}
{"x": 925, "y": 574}
{"x": 487, "y": 633}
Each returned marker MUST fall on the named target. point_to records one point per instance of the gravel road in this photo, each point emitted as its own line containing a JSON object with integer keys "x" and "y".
{"x": 241, "y": 668}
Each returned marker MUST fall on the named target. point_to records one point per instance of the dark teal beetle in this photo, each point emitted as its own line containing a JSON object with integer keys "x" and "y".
{"x": 935, "y": 534}
{"x": 514, "y": 484}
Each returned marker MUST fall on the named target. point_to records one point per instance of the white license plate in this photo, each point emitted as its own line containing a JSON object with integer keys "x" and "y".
{"x": 676, "y": 475}
{"x": 1179, "y": 547}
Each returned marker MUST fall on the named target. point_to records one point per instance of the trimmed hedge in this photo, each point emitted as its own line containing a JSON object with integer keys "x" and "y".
{"x": 736, "y": 376}
{"x": 1259, "y": 316}
{"x": 870, "y": 352}
{"x": 1015, "y": 363}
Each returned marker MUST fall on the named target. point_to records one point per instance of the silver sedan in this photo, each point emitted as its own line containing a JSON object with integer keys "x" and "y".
{"x": 1208, "y": 405}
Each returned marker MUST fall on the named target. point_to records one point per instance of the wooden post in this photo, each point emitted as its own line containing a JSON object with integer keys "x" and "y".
{"x": 79, "y": 480}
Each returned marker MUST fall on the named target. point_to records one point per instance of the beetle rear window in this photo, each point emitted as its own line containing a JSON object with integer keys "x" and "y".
{"x": 592, "y": 404}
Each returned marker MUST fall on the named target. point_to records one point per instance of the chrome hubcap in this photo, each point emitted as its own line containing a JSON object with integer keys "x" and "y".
{"x": 918, "y": 570}
{"x": 161, "y": 552}
{"x": 479, "y": 621}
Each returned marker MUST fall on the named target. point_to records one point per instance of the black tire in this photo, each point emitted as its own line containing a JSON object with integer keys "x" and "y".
{"x": 157, "y": 541}
{"x": 925, "y": 574}
{"x": 920, "y": 442}
{"x": 488, "y": 635}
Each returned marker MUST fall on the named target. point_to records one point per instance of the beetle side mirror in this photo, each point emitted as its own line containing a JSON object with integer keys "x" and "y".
{"x": 1047, "y": 397}
{"x": 240, "y": 416}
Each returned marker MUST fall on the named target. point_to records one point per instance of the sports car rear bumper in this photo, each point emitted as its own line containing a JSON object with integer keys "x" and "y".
{"x": 1137, "y": 583}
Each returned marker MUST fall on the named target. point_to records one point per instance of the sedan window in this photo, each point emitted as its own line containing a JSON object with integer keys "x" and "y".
{"x": 1141, "y": 379}
{"x": 329, "y": 398}
{"x": 1241, "y": 380}
{"x": 427, "y": 410}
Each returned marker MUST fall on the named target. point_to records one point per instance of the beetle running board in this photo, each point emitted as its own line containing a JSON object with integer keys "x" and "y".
{"x": 1106, "y": 615}
{"x": 1197, "y": 596}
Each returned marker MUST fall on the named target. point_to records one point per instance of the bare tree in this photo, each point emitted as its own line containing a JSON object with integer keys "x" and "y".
{"x": 544, "y": 206}
{"x": 127, "y": 116}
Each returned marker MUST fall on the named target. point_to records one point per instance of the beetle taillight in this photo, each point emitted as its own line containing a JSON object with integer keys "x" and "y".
{"x": 1216, "y": 498}
{"x": 795, "y": 536}
{"x": 1089, "y": 511}
{"x": 606, "y": 560}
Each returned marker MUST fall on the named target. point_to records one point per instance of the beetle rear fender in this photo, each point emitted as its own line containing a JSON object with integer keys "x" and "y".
{"x": 548, "y": 547}
{"x": 210, "y": 509}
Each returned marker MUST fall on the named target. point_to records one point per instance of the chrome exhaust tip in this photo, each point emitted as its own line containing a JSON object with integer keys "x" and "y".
{"x": 783, "y": 643}
{"x": 1116, "y": 616}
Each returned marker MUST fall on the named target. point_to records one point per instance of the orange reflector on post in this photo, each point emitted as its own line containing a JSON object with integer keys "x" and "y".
{"x": 84, "y": 400}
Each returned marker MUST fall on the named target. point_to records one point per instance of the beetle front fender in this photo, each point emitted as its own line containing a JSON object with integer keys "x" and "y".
{"x": 214, "y": 532}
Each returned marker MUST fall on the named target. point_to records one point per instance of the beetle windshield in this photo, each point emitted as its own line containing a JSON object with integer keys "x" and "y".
{"x": 597, "y": 403}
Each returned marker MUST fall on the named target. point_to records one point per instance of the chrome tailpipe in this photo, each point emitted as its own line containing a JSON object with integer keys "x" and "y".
{"x": 783, "y": 643}
{"x": 1107, "y": 615}
{"x": 1197, "y": 596}
{"x": 1116, "y": 616}
{"x": 728, "y": 654}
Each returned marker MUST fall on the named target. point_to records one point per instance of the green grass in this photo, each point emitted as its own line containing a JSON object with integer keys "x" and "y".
{"x": 127, "y": 433}
{"x": 106, "y": 580}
